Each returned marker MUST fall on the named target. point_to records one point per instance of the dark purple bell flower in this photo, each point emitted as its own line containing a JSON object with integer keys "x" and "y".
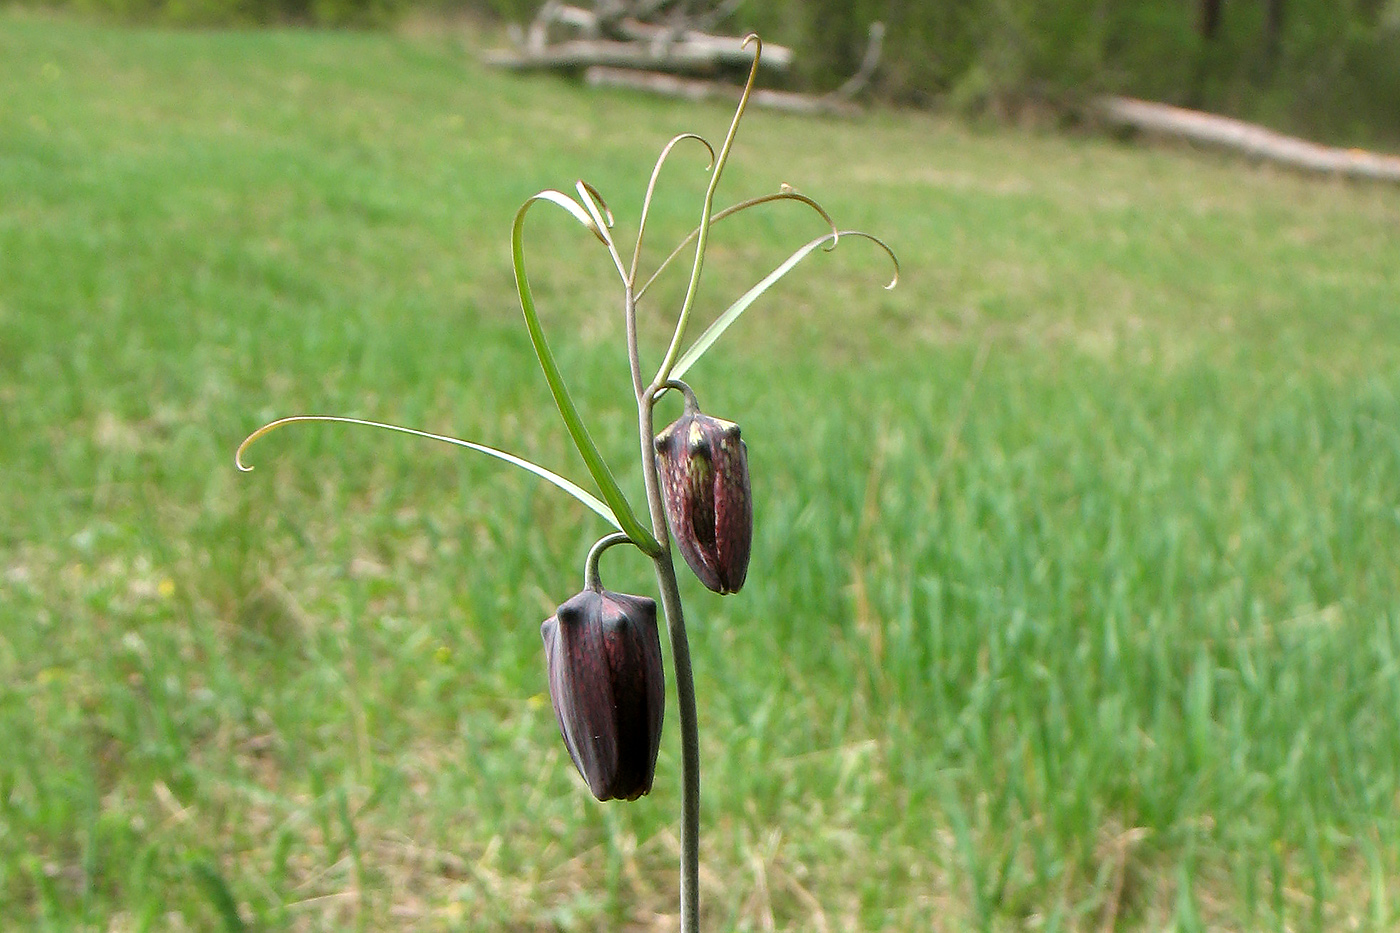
{"x": 704, "y": 468}
{"x": 603, "y": 654}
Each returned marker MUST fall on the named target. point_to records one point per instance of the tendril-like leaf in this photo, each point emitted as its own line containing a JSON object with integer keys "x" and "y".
{"x": 543, "y": 473}
{"x": 787, "y": 194}
{"x": 705, "y": 213}
{"x": 732, "y": 313}
{"x": 651, "y": 189}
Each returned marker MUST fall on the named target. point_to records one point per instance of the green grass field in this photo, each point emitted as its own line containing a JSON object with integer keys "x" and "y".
{"x": 1075, "y": 599}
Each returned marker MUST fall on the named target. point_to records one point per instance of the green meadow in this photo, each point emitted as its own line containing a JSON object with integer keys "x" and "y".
{"x": 1075, "y": 595}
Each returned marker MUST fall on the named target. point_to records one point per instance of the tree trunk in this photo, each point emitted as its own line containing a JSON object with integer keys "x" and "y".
{"x": 1273, "y": 33}
{"x": 1210, "y": 19}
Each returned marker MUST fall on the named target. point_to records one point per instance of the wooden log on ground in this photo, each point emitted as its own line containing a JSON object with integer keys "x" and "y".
{"x": 1252, "y": 140}
{"x": 621, "y": 24}
{"x": 691, "y": 89}
{"x": 694, "y": 53}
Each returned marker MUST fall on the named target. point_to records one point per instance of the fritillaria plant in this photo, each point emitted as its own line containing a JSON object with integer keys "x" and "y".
{"x": 603, "y": 649}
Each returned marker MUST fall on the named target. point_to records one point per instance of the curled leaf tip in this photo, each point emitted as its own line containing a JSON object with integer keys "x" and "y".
{"x": 560, "y": 199}
{"x": 708, "y": 148}
{"x": 695, "y": 136}
{"x": 584, "y": 188}
{"x": 248, "y": 442}
{"x": 894, "y": 279}
{"x": 651, "y": 189}
{"x": 752, "y": 37}
{"x": 894, "y": 260}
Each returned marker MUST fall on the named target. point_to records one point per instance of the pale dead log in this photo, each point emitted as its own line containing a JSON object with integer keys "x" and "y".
{"x": 692, "y": 89}
{"x": 538, "y": 35}
{"x": 775, "y": 56}
{"x": 617, "y": 24}
{"x": 1248, "y": 138}
{"x": 587, "y": 34}
{"x": 579, "y": 18}
{"x": 692, "y": 54}
{"x": 579, "y": 23}
{"x": 778, "y": 57}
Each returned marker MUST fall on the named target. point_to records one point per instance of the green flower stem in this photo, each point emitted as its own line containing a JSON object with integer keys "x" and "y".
{"x": 675, "y": 626}
{"x": 690, "y": 745}
{"x": 692, "y": 404}
{"x": 680, "y": 669}
{"x": 591, "y": 578}
{"x": 634, "y": 358}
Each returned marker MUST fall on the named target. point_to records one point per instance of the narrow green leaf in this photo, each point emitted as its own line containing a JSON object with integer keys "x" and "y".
{"x": 732, "y": 313}
{"x": 597, "y": 467}
{"x": 543, "y": 473}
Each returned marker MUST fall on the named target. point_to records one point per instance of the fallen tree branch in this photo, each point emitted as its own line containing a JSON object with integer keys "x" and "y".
{"x": 695, "y": 53}
{"x": 857, "y": 82}
{"x": 691, "y": 89}
{"x": 1248, "y": 138}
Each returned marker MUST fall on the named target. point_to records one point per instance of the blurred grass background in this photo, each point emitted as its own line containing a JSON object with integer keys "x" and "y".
{"x": 1073, "y": 603}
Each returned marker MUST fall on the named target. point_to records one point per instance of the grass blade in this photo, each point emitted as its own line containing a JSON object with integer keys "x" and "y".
{"x": 214, "y": 885}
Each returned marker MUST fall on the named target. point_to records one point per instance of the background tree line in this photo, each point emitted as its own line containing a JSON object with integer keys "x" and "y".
{"x": 1326, "y": 68}
{"x": 1329, "y": 67}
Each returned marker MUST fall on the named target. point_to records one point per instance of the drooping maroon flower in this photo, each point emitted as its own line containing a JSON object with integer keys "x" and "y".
{"x": 603, "y": 655}
{"x": 704, "y": 469}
